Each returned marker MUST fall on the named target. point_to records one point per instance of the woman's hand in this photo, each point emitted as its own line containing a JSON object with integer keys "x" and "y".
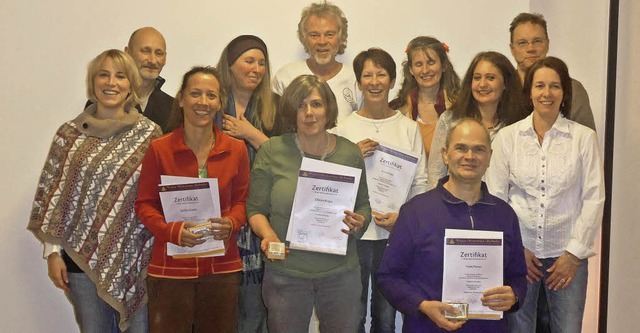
{"x": 386, "y": 221}
{"x": 239, "y": 128}
{"x": 188, "y": 238}
{"x": 435, "y": 311}
{"x": 562, "y": 271}
{"x": 58, "y": 271}
{"x": 367, "y": 146}
{"x": 353, "y": 221}
{"x": 533, "y": 273}
{"x": 221, "y": 227}
{"x": 499, "y": 298}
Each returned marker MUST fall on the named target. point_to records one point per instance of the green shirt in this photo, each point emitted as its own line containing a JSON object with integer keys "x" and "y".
{"x": 274, "y": 178}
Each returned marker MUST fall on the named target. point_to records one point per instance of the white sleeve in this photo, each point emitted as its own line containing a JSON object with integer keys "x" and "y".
{"x": 50, "y": 248}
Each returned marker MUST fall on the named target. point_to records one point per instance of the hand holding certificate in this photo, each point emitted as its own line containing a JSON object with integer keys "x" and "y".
{"x": 324, "y": 191}
{"x": 191, "y": 200}
{"x": 473, "y": 264}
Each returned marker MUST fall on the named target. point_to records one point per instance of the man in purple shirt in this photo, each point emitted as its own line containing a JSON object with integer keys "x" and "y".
{"x": 410, "y": 275}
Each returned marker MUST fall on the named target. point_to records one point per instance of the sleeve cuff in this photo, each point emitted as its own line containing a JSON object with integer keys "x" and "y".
{"x": 578, "y": 250}
{"x": 50, "y": 248}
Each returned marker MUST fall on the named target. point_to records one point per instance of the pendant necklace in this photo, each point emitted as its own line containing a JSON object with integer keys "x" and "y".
{"x": 326, "y": 147}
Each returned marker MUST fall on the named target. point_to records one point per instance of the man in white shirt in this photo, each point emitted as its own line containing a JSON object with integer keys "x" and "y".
{"x": 322, "y": 30}
{"x": 530, "y": 42}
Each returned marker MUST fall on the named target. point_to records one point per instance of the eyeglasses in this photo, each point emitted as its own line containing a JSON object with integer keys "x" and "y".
{"x": 536, "y": 42}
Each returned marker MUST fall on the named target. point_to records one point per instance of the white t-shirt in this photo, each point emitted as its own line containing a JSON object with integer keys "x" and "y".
{"x": 343, "y": 85}
{"x": 396, "y": 131}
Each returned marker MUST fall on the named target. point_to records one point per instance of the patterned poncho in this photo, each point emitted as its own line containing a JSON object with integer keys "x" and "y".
{"x": 85, "y": 202}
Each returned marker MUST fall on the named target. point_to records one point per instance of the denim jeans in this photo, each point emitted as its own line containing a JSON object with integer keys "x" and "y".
{"x": 383, "y": 315}
{"x": 566, "y": 306}
{"x": 290, "y": 301}
{"x": 96, "y": 316}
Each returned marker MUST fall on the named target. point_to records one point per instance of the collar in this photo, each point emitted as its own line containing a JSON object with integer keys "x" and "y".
{"x": 561, "y": 125}
{"x": 485, "y": 199}
{"x": 89, "y": 125}
{"x": 159, "y": 82}
{"x": 223, "y": 141}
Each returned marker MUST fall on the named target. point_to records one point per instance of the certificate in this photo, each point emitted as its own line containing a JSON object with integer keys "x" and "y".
{"x": 390, "y": 173}
{"x": 324, "y": 191}
{"x": 473, "y": 263}
{"x": 194, "y": 200}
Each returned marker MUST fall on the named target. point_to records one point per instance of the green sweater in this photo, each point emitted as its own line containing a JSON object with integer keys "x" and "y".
{"x": 274, "y": 178}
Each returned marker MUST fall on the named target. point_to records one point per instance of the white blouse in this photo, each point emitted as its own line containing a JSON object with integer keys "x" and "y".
{"x": 557, "y": 188}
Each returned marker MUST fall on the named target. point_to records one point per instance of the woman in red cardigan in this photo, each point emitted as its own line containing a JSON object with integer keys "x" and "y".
{"x": 194, "y": 292}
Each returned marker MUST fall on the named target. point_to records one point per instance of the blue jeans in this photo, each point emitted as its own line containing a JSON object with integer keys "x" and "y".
{"x": 290, "y": 301}
{"x": 566, "y": 306}
{"x": 383, "y": 315}
{"x": 94, "y": 315}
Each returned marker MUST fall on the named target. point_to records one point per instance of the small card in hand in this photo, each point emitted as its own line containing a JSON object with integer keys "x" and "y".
{"x": 276, "y": 251}
{"x": 203, "y": 228}
{"x": 461, "y": 313}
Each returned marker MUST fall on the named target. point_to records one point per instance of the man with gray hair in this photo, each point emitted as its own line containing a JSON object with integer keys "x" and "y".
{"x": 322, "y": 30}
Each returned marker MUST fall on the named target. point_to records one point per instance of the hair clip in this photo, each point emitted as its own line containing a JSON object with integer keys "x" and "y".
{"x": 446, "y": 47}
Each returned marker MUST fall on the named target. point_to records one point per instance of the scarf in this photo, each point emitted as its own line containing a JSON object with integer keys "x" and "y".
{"x": 248, "y": 242}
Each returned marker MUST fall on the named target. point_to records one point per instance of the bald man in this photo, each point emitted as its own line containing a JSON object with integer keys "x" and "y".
{"x": 149, "y": 51}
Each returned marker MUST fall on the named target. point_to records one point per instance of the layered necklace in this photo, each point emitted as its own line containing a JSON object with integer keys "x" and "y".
{"x": 326, "y": 147}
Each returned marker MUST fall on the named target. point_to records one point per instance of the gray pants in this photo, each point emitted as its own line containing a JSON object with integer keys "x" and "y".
{"x": 290, "y": 301}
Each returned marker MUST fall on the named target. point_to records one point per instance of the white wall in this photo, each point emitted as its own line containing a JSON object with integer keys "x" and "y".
{"x": 47, "y": 44}
{"x": 624, "y": 267}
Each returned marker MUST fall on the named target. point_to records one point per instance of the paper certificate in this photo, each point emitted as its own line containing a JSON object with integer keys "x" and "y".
{"x": 191, "y": 199}
{"x": 473, "y": 263}
{"x": 390, "y": 173}
{"x": 324, "y": 191}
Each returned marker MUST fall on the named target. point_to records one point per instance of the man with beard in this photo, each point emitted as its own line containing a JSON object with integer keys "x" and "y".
{"x": 322, "y": 30}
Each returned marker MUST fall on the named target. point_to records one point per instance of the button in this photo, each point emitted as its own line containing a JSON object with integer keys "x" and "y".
{"x": 542, "y": 188}
{"x": 542, "y": 181}
{"x": 542, "y": 205}
{"x": 543, "y": 158}
{"x": 85, "y": 125}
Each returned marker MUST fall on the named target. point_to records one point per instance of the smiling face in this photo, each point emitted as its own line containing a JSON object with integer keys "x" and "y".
{"x": 148, "y": 49}
{"x": 322, "y": 38}
{"x": 311, "y": 117}
{"x": 200, "y": 100}
{"x": 487, "y": 84}
{"x": 546, "y": 93}
{"x": 529, "y": 44}
{"x": 468, "y": 153}
{"x": 248, "y": 70}
{"x": 426, "y": 68}
{"x": 375, "y": 83}
{"x": 111, "y": 85}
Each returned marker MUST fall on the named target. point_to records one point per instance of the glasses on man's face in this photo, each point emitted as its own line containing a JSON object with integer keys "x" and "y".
{"x": 536, "y": 42}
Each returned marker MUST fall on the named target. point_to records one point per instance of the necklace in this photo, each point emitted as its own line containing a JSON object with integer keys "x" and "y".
{"x": 376, "y": 126}
{"x": 203, "y": 168}
{"x": 326, "y": 147}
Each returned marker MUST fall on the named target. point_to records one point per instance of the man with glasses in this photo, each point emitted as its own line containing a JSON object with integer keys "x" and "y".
{"x": 530, "y": 42}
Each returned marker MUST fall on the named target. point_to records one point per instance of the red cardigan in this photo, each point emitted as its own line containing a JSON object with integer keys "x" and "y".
{"x": 168, "y": 155}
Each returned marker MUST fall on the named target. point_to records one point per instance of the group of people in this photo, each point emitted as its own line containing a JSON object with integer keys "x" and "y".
{"x": 528, "y": 132}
